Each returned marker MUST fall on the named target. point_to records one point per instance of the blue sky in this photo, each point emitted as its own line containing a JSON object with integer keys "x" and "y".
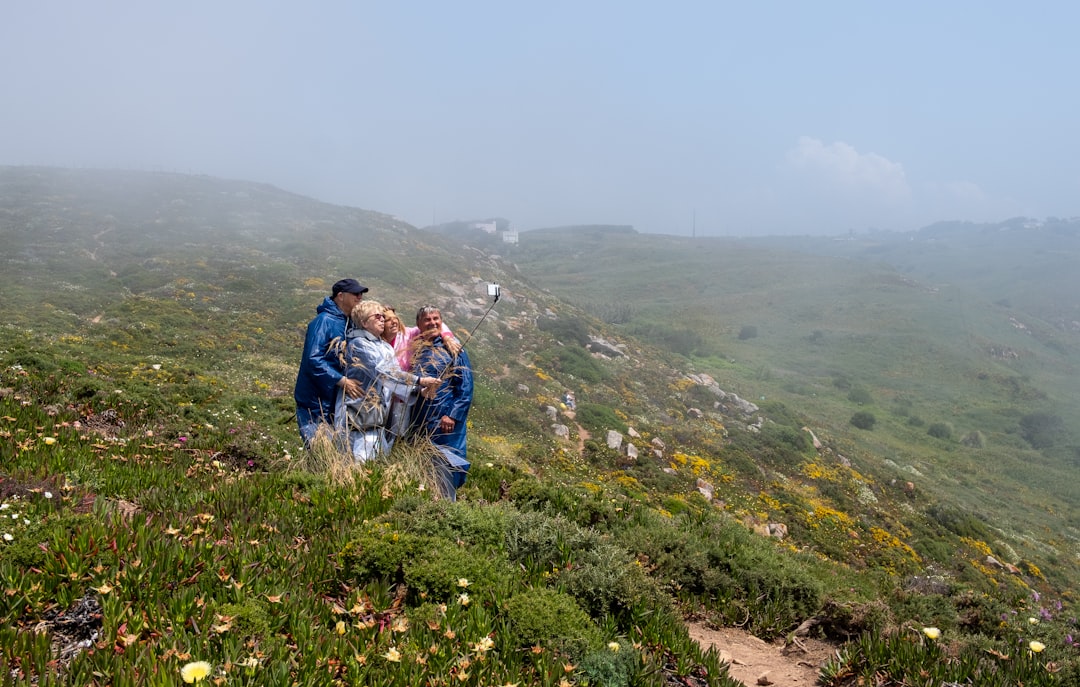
{"x": 730, "y": 119}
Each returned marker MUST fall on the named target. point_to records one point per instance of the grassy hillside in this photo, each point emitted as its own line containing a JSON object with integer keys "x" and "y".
{"x": 164, "y": 512}
{"x": 834, "y": 331}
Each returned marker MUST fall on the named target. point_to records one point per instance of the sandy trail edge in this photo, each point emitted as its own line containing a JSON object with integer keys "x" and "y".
{"x": 751, "y": 658}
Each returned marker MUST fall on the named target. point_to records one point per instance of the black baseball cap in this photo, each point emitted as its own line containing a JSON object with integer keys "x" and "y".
{"x": 348, "y": 286}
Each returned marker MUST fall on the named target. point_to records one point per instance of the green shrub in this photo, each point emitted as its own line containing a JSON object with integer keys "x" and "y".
{"x": 378, "y": 550}
{"x": 543, "y": 540}
{"x": 605, "y": 581}
{"x": 437, "y": 569}
{"x": 748, "y": 332}
{"x": 598, "y": 418}
{"x": 860, "y": 396}
{"x": 248, "y": 619}
{"x": 863, "y": 420}
{"x": 940, "y": 430}
{"x": 566, "y": 329}
{"x": 1041, "y": 430}
{"x": 476, "y": 524}
{"x": 573, "y": 360}
{"x": 548, "y": 618}
{"x": 609, "y": 668}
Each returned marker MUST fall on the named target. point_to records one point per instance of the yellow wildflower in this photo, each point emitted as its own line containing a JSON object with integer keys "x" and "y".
{"x": 195, "y": 671}
{"x": 931, "y": 632}
{"x": 392, "y": 655}
{"x": 1036, "y": 646}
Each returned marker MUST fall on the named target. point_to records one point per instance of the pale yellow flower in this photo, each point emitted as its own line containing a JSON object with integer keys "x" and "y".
{"x": 484, "y": 645}
{"x": 340, "y": 627}
{"x": 463, "y": 582}
{"x": 195, "y": 671}
{"x": 463, "y": 599}
{"x": 401, "y": 624}
{"x": 1036, "y": 646}
{"x": 613, "y": 647}
{"x": 49, "y": 440}
{"x": 931, "y": 632}
{"x": 392, "y": 655}
{"x": 1033, "y": 621}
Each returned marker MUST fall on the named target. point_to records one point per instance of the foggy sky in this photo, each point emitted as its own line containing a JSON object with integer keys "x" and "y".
{"x": 725, "y": 118}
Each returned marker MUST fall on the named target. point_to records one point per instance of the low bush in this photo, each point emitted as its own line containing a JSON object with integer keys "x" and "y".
{"x": 548, "y": 618}
{"x": 860, "y": 396}
{"x": 940, "y": 430}
{"x": 863, "y": 420}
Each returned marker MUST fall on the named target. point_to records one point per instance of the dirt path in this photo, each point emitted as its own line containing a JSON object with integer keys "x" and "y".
{"x": 756, "y": 662}
{"x": 582, "y": 433}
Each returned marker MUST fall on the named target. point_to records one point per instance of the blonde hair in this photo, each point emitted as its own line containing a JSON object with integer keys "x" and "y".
{"x": 391, "y": 314}
{"x": 364, "y": 310}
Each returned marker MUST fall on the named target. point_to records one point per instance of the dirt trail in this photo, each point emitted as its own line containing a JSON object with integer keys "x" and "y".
{"x": 582, "y": 433}
{"x": 754, "y": 661}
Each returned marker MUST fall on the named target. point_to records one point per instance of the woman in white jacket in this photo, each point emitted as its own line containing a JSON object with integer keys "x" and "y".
{"x": 364, "y": 422}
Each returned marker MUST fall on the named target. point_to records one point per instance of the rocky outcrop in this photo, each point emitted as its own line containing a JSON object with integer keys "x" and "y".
{"x": 605, "y": 348}
{"x": 728, "y": 403}
{"x": 614, "y": 440}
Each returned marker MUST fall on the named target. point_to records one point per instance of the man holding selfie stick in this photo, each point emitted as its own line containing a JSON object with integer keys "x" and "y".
{"x": 444, "y": 408}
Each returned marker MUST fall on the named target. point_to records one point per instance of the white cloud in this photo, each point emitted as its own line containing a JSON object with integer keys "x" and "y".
{"x": 841, "y": 168}
{"x": 965, "y": 192}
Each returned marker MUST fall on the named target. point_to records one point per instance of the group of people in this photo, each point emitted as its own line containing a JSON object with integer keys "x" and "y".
{"x": 369, "y": 380}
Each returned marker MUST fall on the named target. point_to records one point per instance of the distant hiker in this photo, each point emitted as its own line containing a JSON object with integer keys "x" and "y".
{"x": 570, "y": 401}
{"x": 443, "y": 409}
{"x": 364, "y": 422}
{"x": 404, "y": 339}
{"x": 320, "y": 374}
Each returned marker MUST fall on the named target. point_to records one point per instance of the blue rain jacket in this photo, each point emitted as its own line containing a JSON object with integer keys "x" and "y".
{"x": 320, "y": 369}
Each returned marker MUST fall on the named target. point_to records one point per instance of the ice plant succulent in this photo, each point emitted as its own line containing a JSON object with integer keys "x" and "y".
{"x": 1036, "y": 646}
{"x": 931, "y": 632}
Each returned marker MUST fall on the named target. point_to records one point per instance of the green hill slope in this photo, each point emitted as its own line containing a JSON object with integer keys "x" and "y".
{"x": 152, "y": 324}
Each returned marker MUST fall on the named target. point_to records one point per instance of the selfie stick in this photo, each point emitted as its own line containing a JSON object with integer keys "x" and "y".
{"x": 494, "y": 292}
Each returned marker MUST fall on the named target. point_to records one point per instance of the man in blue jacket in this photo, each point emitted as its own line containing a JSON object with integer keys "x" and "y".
{"x": 444, "y": 408}
{"x": 320, "y": 373}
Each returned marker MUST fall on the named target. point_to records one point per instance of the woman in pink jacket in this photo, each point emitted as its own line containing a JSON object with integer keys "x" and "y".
{"x": 402, "y": 339}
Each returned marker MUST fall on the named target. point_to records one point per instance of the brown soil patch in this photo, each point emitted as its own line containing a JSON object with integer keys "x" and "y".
{"x": 754, "y": 661}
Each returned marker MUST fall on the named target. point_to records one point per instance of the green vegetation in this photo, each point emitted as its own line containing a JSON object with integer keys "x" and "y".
{"x": 165, "y": 513}
{"x": 863, "y": 420}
